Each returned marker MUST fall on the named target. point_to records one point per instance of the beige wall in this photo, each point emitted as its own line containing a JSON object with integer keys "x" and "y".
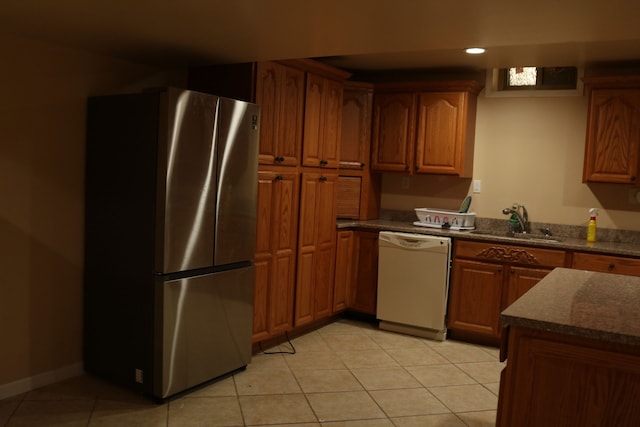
{"x": 528, "y": 150}
{"x": 42, "y": 136}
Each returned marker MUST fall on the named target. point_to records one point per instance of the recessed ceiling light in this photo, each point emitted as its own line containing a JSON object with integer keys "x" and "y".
{"x": 475, "y": 50}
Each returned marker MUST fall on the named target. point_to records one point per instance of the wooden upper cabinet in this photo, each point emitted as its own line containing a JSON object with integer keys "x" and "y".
{"x": 280, "y": 91}
{"x": 355, "y": 143}
{"x": 487, "y": 277}
{"x": 425, "y": 127}
{"x": 393, "y": 136}
{"x": 322, "y": 121}
{"x": 446, "y": 130}
{"x": 612, "y": 149}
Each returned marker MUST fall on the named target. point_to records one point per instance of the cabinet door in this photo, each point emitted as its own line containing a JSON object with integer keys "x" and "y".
{"x": 345, "y": 270}
{"x": 520, "y": 281}
{"x": 280, "y": 93}
{"x": 612, "y": 151}
{"x": 285, "y": 235}
{"x": 268, "y": 97}
{"x": 365, "y": 290}
{"x": 275, "y": 257}
{"x": 332, "y": 115}
{"x": 263, "y": 255}
{"x": 316, "y": 247}
{"x": 313, "y": 129}
{"x": 325, "y": 244}
{"x": 475, "y": 297}
{"x": 440, "y": 142}
{"x": 355, "y": 142}
{"x": 290, "y": 116}
{"x": 322, "y": 122}
{"x": 393, "y": 136}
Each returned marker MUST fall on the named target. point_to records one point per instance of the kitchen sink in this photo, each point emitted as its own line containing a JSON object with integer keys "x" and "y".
{"x": 532, "y": 237}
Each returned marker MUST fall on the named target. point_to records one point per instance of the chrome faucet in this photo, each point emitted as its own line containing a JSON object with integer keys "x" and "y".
{"x": 523, "y": 220}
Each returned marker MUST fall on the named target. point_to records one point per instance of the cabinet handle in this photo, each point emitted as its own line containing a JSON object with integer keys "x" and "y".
{"x": 633, "y": 178}
{"x": 279, "y": 177}
{"x": 362, "y": 165}
{"x": 499, "y": 269}
{"x": 323, "y": 162}
{"x": 279, "y": 159}
{"x": 512, "y": 271}
{"x": 612, "y": 266}
{"x": 323, "y": 178}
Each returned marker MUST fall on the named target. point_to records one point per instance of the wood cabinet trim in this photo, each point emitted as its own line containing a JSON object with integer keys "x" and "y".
{"x": 470, "y": 86}
{"x": 506, "y": 254}
{"x": 611, "y": 82}
{"x": 511, "y": 254}
{"x": 317, "y": 67}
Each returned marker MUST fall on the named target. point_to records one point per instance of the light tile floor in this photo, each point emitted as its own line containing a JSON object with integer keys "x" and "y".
{"x": 347, "y": 373}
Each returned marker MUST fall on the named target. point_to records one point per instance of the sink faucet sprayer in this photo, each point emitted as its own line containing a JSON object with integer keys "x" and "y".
{"x": 517, "y": 223}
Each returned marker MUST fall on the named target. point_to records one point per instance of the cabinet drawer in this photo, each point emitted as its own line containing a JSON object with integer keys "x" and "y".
{"x": 512, "y": 254}
{"x": 606, "y": 263}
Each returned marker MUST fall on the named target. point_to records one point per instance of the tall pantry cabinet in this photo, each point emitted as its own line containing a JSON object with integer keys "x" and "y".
{"x": 318, "y": 193}
{"x": 301, "y": 107}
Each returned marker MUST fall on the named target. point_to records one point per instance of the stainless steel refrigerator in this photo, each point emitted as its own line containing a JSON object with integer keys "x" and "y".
{"x": 170, "y": 223}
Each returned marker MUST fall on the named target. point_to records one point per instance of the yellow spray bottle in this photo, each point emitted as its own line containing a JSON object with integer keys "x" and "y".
{"x": 591, "y": 228}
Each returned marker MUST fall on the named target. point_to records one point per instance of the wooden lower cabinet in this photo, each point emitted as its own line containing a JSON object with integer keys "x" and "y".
{"x": 275, "y": 256}
{"x": 475, "y": 297}
{"x": 356, "y": 282}
{"x": 316, "y": 247}
{"x": 559, "y": 380}
{"x": 365, "y": 286}
{"x": 521, "y": 279}
{"x": 486, "y": 278}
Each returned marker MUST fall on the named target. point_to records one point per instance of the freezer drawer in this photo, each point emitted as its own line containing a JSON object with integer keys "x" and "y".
{"x": 205, "y": 330}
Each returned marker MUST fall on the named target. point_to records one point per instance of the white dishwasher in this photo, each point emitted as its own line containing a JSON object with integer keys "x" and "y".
{"x": 413, "y": 283}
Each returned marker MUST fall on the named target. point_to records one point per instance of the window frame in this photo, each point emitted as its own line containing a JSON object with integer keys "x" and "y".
{"x": 542, "y": 80}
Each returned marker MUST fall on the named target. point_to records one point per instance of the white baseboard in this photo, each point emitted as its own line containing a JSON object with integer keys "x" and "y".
{"x": 31, "y": 383}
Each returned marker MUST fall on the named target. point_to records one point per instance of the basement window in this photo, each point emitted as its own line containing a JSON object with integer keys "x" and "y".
{"x": 538, "y": 78}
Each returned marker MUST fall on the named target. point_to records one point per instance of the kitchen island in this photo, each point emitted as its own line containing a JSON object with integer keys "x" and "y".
{"x": 573, "y": 352}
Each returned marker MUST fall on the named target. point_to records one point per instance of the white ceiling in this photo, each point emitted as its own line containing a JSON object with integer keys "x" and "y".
{"x": 354, "y": 34}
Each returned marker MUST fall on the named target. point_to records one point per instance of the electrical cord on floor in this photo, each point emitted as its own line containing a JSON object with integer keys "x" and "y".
{"x": 292, "y": 351}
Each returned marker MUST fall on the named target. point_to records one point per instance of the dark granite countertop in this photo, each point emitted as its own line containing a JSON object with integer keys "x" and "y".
{"x": 599, "y": 306}
{"x": 565, "y": 243}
